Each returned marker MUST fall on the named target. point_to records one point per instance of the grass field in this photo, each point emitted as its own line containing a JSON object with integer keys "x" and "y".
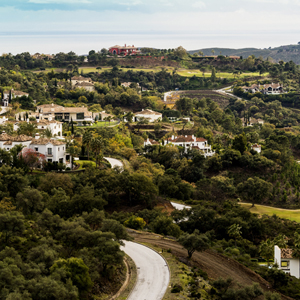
{"x": 103, "y": 124}
{"x": 181, "y": 72}
{"x": 293, "y": 215}
{"x": 198, "y": 73}
{"x": 81, "y": 162}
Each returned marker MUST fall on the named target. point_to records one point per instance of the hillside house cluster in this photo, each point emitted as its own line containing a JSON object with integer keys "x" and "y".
{"x": 251, "y": 121}
{"x": 286, "y": 262}
{"x": 53, "y": 150}
{"x": 123, "y": 50}
{"x": 273, "y": 88}
{"x": 189, "y": 142}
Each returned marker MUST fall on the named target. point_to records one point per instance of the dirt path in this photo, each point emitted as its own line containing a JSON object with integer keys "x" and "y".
{"x": 214, "y": 264}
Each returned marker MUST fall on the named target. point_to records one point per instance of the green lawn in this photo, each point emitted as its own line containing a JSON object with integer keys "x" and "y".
{"x": 81, "y": 162}
{"x": 198, "y": 73}
{"x": 290, "y": 214}
{"x": 103, "y": 124}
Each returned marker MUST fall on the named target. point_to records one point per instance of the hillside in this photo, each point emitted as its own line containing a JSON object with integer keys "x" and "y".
{"x": 285, "y": 53}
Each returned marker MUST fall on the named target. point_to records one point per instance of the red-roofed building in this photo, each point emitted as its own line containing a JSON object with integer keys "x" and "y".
{"x": 123, "y": 50}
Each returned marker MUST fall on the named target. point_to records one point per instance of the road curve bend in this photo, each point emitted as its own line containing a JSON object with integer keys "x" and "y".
{"x": 114, "y": 162}
{"x": 153, "y": 273}
{"x": 180, "y": 206}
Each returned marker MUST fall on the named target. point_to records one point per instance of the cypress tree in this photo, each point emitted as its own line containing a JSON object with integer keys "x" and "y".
{"x": 72, "y": 126}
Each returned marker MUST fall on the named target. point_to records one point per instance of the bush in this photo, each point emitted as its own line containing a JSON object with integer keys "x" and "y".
{"x": 177, "y": 288}
{"x": 135, "y": 222}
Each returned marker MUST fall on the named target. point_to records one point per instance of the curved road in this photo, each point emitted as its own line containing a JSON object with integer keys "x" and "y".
{"x": 180, "y": 206}
{"x": 153, "y": 274}
{"x": 114, "y": 162}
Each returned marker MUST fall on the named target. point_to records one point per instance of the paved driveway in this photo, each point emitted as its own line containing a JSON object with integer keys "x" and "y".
{"x": 114, "y": 162}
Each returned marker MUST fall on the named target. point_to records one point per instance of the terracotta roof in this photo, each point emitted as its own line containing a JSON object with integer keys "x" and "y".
{"x": 153, "y": 142}
{"x": 256, "y": 146}
{"x": 286, "y": 253}
{"x": 123, "y": 47}
{"x": 19, "y": 138}
{"x": 5, "y": 137}
{"x": 46, "y": 141}
{"x": 148, "y": 112}
{"x": 182, "y": 139}
{"x": 52, "y": 105}
{"x": 62, "y": 109}
{"x": 186, "y": 139}
{"x": 201, "y": 140}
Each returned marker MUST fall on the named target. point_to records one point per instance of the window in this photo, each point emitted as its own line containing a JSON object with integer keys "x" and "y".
{"x": 58, "y": 148}
{"x": 36, "y": 149}
{"x": 285, "y": 264}
{"x": 63, "y": 148}
{"x": 49, "y": 151}
{"x": 49, "y": 160}
{"x": 80, "y": 116}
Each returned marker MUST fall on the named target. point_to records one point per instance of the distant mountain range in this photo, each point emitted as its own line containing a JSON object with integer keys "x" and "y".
{"x": 285, "y": 53}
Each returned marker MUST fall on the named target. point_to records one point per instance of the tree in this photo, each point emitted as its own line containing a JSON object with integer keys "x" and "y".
{"x": 11, "y": 224}
{"x": 86, "y": 141}
{"x": 240, "y": 143}
{"x": 142, "y": 121}
{"x": 97, "y": 145}
{"x": 266, "y": 249}
{"x": 194, "y": 242}
{"x": 213, "y": 75}
{"x": 180, "y": 52}
{"x": 32, "y": 158}
{"x": 129, "y": 116}
{"x": 76, "y": 270}
{"x": 29, "y": 201}
{"x": 235, "y": 232}
{"x": 254, "y": 189}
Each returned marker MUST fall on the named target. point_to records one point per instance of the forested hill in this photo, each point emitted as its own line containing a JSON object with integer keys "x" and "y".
{"x": 285, "y": 53}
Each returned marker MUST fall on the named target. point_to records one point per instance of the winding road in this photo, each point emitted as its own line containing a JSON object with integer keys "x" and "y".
{"x": 153, "y": 274}
{"x": 114, "y": 162}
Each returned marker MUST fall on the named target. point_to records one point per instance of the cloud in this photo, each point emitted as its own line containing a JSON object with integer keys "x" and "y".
{"x": 199, "y": 4}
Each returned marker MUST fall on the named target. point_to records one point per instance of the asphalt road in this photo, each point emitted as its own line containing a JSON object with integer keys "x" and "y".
{"x": 180, "y": 206}
{"x": 153, "y": 274}
{"x": 114, "y": 162}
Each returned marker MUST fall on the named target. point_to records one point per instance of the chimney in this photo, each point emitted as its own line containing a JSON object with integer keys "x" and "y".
{"x": 172, "y": 137}
{"x": 37, "y": 136}
{"x": 27, "y": 120}
{"x": 186, "y": 136}
{"x": 125, "y": 45}
{"x": 52, "y": 104}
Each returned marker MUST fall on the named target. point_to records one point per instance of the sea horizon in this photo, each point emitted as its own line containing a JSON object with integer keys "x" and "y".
{"x": 81, "y": 43}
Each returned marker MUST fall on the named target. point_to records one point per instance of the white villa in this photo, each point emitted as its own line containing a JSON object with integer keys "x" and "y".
{"x": 273, "y": 88}
{"x": 148, "y": 114}
{"x": 80, "y": 79}
{"x": 257, "y": 148}
{"x": 88, "y": 86}
{"x": 54, "y": 126}
{"x": 188, "y": 142}
{"x": 61, "y": 113}
{"x": 285, "y": 261}
{"x": 252, "y": 121}
{"x": 54, "y": 150}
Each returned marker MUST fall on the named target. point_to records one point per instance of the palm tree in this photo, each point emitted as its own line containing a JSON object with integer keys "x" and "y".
{"x": 235, "y": 232}
{"x": 72, "y": 150}
{"x": 97, "y": 145}
{"x": 86, "y": 141}
{"x": 109, "y": 118}
{"x": 48, "y": 133}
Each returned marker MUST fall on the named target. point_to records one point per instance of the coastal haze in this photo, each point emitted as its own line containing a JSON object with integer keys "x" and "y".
{"x": 82, "y": 43}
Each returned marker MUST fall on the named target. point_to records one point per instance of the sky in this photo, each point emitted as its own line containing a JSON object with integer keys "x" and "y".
{"x": 194, "y": 24}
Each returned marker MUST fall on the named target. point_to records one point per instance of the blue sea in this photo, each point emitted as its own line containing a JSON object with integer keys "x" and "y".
{"x": 82, "y": 42}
